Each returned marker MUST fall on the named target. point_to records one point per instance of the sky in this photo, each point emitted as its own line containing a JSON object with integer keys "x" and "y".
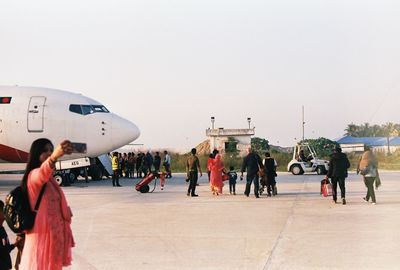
{"x": 170, "y": 65}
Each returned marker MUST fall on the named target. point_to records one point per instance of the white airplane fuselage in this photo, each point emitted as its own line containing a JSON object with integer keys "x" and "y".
{"x": 34, "y": 113}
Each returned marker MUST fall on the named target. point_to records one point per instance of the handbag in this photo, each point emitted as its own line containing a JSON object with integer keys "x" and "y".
{"x": 326, "y": 188}
{"x": 369, "y": 171}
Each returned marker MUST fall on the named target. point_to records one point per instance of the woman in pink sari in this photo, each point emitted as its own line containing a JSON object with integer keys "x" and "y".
{"x": 217, "y": 167}
{"x": 48, "y": 244}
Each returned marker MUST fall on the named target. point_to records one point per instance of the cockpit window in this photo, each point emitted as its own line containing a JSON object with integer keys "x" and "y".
{"x": 75, "y": 108}
{"x": 100, "y": 108}
{"x": 87, "y": 109}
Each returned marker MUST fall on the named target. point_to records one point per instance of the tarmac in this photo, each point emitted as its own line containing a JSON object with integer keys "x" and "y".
{"x": 120, "y": 228}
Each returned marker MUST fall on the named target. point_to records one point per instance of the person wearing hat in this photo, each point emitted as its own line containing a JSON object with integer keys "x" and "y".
{"x": 338, "y": 165}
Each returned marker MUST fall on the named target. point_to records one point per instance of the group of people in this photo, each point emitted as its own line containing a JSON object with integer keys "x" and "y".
{"x": 125, "y": 165}
{"x": 217, "y": 173}
{"x": 264, "y": 172}
{"x": 48, "y": 244}
{"x": 367, "y": 167}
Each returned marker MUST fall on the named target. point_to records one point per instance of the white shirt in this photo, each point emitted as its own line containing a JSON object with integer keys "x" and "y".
{"x": 167, "y": 159}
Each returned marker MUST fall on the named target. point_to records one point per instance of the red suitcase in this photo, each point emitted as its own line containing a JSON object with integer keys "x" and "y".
{"x": 326, "y": 188}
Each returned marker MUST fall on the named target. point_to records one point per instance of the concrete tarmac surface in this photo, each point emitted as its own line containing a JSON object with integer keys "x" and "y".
{"x": 120, "y": 228}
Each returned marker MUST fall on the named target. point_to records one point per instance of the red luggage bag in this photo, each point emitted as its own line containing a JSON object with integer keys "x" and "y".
{"x": 326, "y": 188}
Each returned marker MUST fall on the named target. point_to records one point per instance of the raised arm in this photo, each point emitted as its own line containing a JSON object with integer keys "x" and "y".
{"x": 42, "y": 174}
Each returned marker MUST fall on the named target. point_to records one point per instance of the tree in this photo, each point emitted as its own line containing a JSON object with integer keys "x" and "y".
{"x": 389, "y": 130}
{"x": 322, "y": 146}
{"x": 352, "y": 130}
{"x": 259, "y": 145}
{"x": 366, "y": 130}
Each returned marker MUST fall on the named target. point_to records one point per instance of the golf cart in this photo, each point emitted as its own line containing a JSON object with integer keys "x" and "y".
{"x": 305, "y": 160}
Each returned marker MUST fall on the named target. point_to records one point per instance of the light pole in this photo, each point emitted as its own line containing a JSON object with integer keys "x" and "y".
{"x": 213, "y": 137}
{"x": 249, "y": 120}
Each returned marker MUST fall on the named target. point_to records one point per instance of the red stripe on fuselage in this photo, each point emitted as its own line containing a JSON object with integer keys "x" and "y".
{"x": 12, "y": 155}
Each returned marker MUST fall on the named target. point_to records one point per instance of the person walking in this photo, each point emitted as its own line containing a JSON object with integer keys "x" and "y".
{"x": 232, "y": 180}
{"x": 252, "y": 164}
{"x": 48, "y": 244}
{"x": 270, "y": 174}
{"x": 217, "y": 168}
{"x": 167, "y": 164}
{"x": 192, "y": 170}
{"x": 115, "y": 169}
{"x": 368, "y": 167}
{"x": 338, "y": 166}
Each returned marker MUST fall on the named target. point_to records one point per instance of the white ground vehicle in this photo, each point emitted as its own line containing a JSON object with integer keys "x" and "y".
{"x": 297, "y": 166}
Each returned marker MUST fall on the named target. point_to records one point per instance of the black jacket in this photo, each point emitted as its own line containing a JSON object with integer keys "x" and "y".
{"x": 252, "y": 162}
{"x": 269, "y": 167}
{"x": 157, "y": 161}
{"x": 338, "y": 166}
{"x": 5, "y": 249}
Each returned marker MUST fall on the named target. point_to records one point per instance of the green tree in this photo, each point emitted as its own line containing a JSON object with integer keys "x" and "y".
{"x": 322, "y": 146}
{"x": 352, "y": 130}
{"x": 367, "y": 130}
{"x": 259, "y": 145}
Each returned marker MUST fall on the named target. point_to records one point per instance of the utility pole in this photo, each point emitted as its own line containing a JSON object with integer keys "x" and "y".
{"x": 212, "y": 124}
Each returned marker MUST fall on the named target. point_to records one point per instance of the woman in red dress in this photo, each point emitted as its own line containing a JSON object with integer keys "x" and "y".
{"x": 217, "y": 168}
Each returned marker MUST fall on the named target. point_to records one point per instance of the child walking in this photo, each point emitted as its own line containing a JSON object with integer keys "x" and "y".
{"x": 232, "y": 180}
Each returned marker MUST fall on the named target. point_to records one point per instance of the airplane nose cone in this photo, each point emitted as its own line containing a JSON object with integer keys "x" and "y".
{"x": 123, "y": 132}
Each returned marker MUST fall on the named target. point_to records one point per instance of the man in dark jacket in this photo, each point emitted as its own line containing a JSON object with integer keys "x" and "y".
{"x": 157, "y": 162}
{"x": 252, "y": 164}
{"x": 338, "y": 165}
{"x": 192, "y": 170}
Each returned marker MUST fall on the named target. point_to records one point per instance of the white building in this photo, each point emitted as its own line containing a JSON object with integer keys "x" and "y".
{"x": 220, "y": 138}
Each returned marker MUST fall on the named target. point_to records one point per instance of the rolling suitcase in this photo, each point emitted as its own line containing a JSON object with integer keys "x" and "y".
{"x": 326, "y": 188}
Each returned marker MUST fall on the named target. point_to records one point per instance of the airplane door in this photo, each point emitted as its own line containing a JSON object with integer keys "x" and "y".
{"x": 36, "y": 114}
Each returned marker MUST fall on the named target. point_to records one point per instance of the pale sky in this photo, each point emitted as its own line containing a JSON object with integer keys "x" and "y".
{"x": 170, "y": 65}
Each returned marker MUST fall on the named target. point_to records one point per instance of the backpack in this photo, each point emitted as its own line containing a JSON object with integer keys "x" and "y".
{"x": 17, "y": 211}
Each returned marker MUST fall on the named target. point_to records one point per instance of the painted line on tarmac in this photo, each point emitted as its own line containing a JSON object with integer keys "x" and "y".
{"x": 289, "y": 221}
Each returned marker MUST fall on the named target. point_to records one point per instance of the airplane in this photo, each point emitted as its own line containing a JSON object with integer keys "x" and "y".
{"x": 30, "y": 113}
